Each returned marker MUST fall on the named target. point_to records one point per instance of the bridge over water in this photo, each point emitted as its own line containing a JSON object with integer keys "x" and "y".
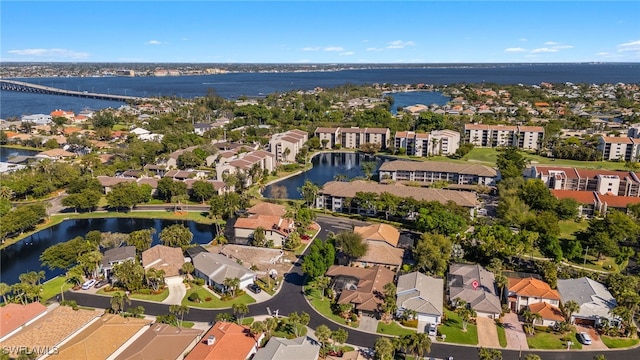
{"x": 12, "y": 85}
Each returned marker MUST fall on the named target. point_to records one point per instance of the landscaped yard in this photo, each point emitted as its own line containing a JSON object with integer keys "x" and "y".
{"x": 502, "y": 336}
{"x": 551, "y": 340}
{"x": 569, "y": 227}
{"x": 323, "y": 306}
{"x": 214, "y": 302}
{"x": 393, "y": 329}
{"x": 148, "y": 297}
{"x": 452, "y": 328}
{"x": 616, "y": 342}
{"x": 53, "y": 287}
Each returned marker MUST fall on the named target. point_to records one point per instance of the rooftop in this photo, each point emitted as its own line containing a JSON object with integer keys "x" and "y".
{"x": 230, "y": 342}
{"x": 160, "y": 341}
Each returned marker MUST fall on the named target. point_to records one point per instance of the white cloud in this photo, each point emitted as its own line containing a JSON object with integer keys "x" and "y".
{"x": 544, "y": 50}
{"x": 154, "y": 42}
{"x": 399, "y": 44}
{"x": 311, "y": 48}
{"x": 374, "y": 49}
{"x": 51, "y": 53}
{"x": 551, "y": 43}
{"x": 604, "y": 53}
{"x": 333, "y": 48}
{"x": 515, "y": 49}
{"x": 562, "y": 47}
{"x": 347, "y": 53}
{"x": 629, "y": 46}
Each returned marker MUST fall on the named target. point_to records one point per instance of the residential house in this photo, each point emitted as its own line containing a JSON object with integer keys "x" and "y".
{"x": 13, "y": 317}
{"x": 382, "y": 241}
{"x": 201, "y": 128}
{"x": 428, "y": 172}
{"x": 161, "y": 341}
{"x": 335, "y": 195}
{"x": 286, "y": 146}
{"x": 527, "y": 291}
{"x": 422, "y": 294}
{"x": 549, "y": 315}
{"x": 276, "y": 229}
{"x": 161, "y": 257}
{"x": 362, "y": 287}
{"x": 55, "y": 154}
{"x": 172, "y": 162}
{"x": 476, "y": 286}
{"x": 226, "y": 340}
{"x": 37, "y": 119}
{"x": 522, "y": 137}
{"x": 288, "y": 349}
{"x": 115, "y": 256}
{"x": 596, "y": 302}
{"x": 215, "y": 268}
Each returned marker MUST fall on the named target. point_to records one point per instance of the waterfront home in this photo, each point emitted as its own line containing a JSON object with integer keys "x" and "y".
{"x": 226, "y": 340}
{"x": 476, "y": 286}
{"x": 596, "y": 302}
{"x": 286, "y": 146}
{"x": 428, "y": 172}
{"x": 362, "y": 287}
{"x": 161, "y": 257}
{"x": 161, "y": 341}
{"x": 215, "y": 268}
{"x": 276, "y": 229}
{"x": 422, "y": 294}
{"x": 116, "y": 256}
{"x": 435, "y": 143}
{"x": 352, "y": 138}
{"x": 288, "y": 349}
{"x": 253, "y": 163}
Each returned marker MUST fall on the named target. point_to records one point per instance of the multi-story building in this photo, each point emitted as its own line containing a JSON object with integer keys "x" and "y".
{"x": 440, "y": 142}
{"x": 616, "y": 183}
{"x": 522, "y": 137}
{"x": 286, "y": 146}
{"x": 353, "y": 137}
{"x": 619, "y": 148}
{"x": 431, "y": 171}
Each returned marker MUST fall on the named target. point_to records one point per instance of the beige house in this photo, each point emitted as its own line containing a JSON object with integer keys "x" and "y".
{"x": 161, "y": 257}
{"x": 329, "y": 137}
{"x": 529, "y": 291}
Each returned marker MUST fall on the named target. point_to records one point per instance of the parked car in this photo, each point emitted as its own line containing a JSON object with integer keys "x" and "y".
{"x": 584, "y": 338}
{"x": 88, "y": 284}
{"x": 101, "y": 283}
{"x": 254, "y": 288}
{"x": 432, "y": 330}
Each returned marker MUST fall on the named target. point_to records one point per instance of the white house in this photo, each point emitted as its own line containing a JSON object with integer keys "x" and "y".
{"x": 215, "y": 268}
{"x": 422, "y": 294}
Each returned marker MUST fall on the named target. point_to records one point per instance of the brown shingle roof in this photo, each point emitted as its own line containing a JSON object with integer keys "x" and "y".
{"x": 379, "y": 232}
{"x": 349, "y": 190}
{"x": 161, "y": 257}
{"x": 371, "y": 280}
{"x": 161, "y": 341}
{"x": 379, "y": 252}
{"x": 265, "y": 208}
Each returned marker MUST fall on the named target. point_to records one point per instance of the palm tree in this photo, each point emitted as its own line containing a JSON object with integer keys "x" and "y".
{"x": 465, "y": 312}
{"x": 323, "y": 333}
{"x": 568, "y": 309}
{"x": 257, "y": 327}
{"x": 239, "y": 310}
{"x": 270, "y": 325}
{"x": 179, "y": 310}
{"x": 187, "y": 268}
{"x": 418, "y": 344}
{"x": 117, "y": 302}
{"x": 501, "y": 282}
{"x": 285, "y": 154}
{"x": 4, "y": 290}
{"x": 529, "y": 319}
{"x": 322, "y": 283}
{"x": 231, "y": 285}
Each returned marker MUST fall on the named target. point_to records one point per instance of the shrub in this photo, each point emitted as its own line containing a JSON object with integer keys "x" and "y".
{"x": 208, "y": 299}
{"x": 410, "y": 323}
{"x": 144, "y": 291}
{"x": 198, "y": 281}
{"x": 194, "y": 297}
{"x": 71, "y": 303}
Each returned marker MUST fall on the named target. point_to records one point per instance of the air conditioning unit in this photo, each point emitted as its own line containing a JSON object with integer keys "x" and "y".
{"x": 211, "y": 340}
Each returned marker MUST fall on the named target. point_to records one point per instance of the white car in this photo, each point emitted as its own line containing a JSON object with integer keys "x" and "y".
{"x": 88, "y": 284}
{"x": 432, "y": 330}
{"x": 584, "y": 338}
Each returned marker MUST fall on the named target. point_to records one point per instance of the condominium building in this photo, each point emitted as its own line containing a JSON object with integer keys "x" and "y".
{"x": 286, "y": 146}
{"x": 615, "y": 183}
{"x": 522, "y": 137}
{"x": 353, "y": 137}
{"x": 431, "y": 171}
{"x": 435, "y": 143}
{"x": 619, "y": 148}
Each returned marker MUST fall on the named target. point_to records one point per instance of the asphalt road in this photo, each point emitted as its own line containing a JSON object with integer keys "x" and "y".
{"x": 290, "y": 299}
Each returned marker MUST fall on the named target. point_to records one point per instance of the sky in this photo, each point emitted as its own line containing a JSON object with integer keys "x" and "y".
{"x": 320, "y": 31}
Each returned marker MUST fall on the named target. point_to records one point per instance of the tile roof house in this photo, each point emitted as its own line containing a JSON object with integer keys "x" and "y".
{"x": 228, "y": 341}
{"x": 215, "y": 268}
{"x": 524, "y": 292}
{"x": 594, "y": 299}
{"x": 102, "y": 338}
{"x": 276, "y": 228}
{"x": 476, "y": 286}
{"x": 379, "y": 232}
{"x": 380, "y": 253}
{"x": 422, "y": 294}
{"x": 265, "y": 208}
{"x": 549, "y": 314}
{"x": 359, "y": 286}
{"x": 115, "y": 256}
{"x": 161, "y": 341}
{"x": 288, "y": 349}
{"x": 161, "y": 257}
{"x": 13, "y": 317}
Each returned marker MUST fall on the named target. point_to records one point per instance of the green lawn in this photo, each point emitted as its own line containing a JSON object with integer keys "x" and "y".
{"x": 502, "y": 336}
{"x": 569, "y": 227}
{"x": 187, "y": 324}
{"x": 452, "y": 328}
{"x": 302, "y": 331}
{"x": 214, "y": 303}
{"x": 53, "y": 287}
{"x": 551, "y": 340}
{"x": 617, "y": 343}
{"x": 488, "y": 156}
{"x": 323, "y": 306}
{"x": 393, "y": 329}
{"x": 147, "y": 297}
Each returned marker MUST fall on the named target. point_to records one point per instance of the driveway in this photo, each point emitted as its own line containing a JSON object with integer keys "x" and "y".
{"x": 487, "y": 333}
{"x": 177, "y": 290}
{"x": 516, "y": 338}
{"x": 368, "y": 324}
{"x": 262, "y": 296}
{"x": 596, "y": 340}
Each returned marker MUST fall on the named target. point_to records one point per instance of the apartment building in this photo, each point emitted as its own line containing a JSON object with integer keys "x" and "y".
{"x": 286, "y": 146}
{"x": 429, "y": 172}
{"x": 615, "y": 183}
{"x": 619, "y": 148}
{"x": 522, "y": 137}
{"x": 435, "y": 143}
{"x": 353, "y": 137}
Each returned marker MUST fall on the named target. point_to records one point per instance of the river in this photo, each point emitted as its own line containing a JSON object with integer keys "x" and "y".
{"x": 24, "y": 256}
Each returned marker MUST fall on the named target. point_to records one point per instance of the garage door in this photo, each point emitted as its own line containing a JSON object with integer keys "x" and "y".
{"x": 585, "y": 322}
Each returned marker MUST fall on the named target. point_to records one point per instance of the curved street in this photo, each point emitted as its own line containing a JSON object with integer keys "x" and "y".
{"x": 290, "y": 299}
